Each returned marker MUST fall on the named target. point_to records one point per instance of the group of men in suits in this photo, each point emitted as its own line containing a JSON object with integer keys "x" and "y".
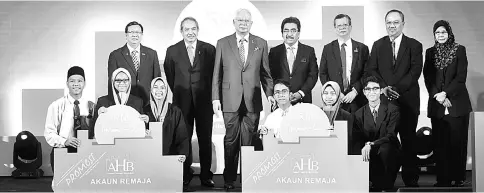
{"x": 241, "y": 63}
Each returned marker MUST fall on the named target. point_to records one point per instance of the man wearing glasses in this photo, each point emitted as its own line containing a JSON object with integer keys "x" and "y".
{"x": 343, "y": 61}
{"x": 294, "y": 62}
{"x": 374, "y": 133}
{"x": 397, "y": 60}
{"x": 241, "y": 66}
{"x": 141, "y": 62}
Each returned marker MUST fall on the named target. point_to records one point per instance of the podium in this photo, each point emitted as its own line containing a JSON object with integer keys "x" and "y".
{"x": 128, "y": 165}
{"x": 316, "y": 162}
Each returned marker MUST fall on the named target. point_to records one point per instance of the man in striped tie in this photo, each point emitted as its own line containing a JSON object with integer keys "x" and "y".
{"x": 241, "y": 66}
{"x": 141, "y": 62}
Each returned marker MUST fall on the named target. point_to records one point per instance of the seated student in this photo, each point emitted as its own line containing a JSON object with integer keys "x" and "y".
{"x": 331, "y": 95}
{"x": 121, "y": 80}
{"x": 374, "y": 134}
{"x": 175, "y": 135}
{"x": 68, "y": 114}
{"x": 274, "y": 120}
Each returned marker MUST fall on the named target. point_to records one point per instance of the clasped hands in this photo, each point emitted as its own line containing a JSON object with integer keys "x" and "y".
{"x": 349, "y": 97}
{"x": 441, "y": 97}
{"x": 144, "y": 118}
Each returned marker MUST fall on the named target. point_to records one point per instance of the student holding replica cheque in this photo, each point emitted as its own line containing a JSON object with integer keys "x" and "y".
{"x": 274, "y": 120}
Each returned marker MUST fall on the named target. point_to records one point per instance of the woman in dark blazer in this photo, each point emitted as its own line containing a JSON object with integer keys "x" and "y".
{"x": 449, "y": 106}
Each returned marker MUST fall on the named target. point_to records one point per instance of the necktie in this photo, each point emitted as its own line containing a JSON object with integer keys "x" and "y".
{"x": 291, "y": 58}
{"x": 242, "y": 51}
{"x": 77, "y": 117}
{"x": 375, "y": 115}
{"x": 134, "y": 56}
{"x": 343, "y": 64}
{"x": 393, "y": 53}
{"x": 191, "y": 55}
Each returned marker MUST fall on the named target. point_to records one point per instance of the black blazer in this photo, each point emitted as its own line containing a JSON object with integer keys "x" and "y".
{"x": 305, "y": 69}
{"x": 331, "y": 68}
{"x": 404, "y": 75}
{"x": 190, "y": 83}
{"x": 140, "y": 80}
{"x": 452, "y": 80}
{"x": 387, "y": 120}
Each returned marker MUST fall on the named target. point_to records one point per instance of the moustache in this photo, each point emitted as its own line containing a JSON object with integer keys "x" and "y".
{"x": 290, "y": 37}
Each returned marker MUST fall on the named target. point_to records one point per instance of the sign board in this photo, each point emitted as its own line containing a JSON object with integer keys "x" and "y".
{"x": 317, "y": 161}
{"x": 120, "y": 121}
{"x": 128, "y": 165}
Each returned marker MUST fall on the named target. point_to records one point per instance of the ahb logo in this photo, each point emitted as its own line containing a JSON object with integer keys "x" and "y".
{"x": 116, "y": 165}
{"x": 305, "y": 165}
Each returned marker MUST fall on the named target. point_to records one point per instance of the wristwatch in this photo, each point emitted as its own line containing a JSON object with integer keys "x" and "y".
{"x": 369, "y": 143}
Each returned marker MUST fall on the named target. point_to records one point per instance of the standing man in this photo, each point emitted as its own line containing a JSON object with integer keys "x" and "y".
{"x": 189, "y": 70}
{"x": 141, "y": 62}
{"x": 397, "y": 60}
{"x": 294, "y": 62}
{"x": 343, "y": 61}
{"x": 241, "y": 65}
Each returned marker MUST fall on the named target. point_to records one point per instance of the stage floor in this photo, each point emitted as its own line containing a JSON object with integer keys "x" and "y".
{"x": 9, "y": 184}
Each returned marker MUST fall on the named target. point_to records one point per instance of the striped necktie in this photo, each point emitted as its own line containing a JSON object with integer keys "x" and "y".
{"x": 134, "y": 56}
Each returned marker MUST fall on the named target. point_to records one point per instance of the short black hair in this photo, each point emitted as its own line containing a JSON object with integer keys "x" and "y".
{"x": 291, "y": 20}
{"x": 339, "y": 16}
{"x": 370, "y": 78}
{"x": 131, "y": 24}
{"x": 188, "y": 18}
{"x": 395, "y": 11}
{"x": 283, "y": 82}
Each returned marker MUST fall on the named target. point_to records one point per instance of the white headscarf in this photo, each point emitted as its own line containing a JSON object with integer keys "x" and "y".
{"x": 159, "y": 108}
{"x": 332, "y": 110}
{"x": 120, "y": 98}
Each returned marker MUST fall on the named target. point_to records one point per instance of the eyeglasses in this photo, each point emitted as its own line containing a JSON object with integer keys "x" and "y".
{"x": 243, "y": 20}
{"x": 119, "y": 81}
{"x": 291, "y": 30}
{"x": 440, "y": 32}
{"x": 374, "y": 89}
{"x": 342, "y": 25}
{"x": 135, "y": 32}
{"x": 329, "y": 93}
{"x": 394, "y": 23}
{"x": 283, "y": 92}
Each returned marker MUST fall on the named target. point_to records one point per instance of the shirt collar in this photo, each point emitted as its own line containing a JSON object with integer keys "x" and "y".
{"x": 347, "y": 42}
{"x": 194, "y": 44}
{"x": 131, "y": 48}
{"x": 71, "y": 99}
{"x": 377, "y": 107}
{"x": 294, "y": 46}
{"x": 246, "y": 37}
{"x": 398, "y": 39}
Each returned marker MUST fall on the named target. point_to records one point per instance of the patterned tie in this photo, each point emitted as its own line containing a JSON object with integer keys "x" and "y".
{"x": 375, "y": 115}
{"x": 291, "y": 58}
{"x": 242, "y": 50}
{"x": 393, "y": 53}
{"x": 343, "y": 64}
{"x": 77, "y": 117}
{"x": 191, "y": 55}
{"x": 134, "y": 56}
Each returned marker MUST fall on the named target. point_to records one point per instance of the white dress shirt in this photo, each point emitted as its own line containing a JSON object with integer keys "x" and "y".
{"x": 349, "y": 57}
{"x": 294, "y": 50}
{"x": 137, "y": 53}
{"x": 397, "y": 40}
{"x": 59, "y": 122}
{"x": 194, "y": 45}
{"x": 274, "y": 120}
{"x": 246, "y": 44}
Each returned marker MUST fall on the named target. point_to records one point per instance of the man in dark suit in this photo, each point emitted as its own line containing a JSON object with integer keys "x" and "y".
{"x": 374, "y": 133}
{"x": 397, "y": 60}
{"x": 294, "y": 62}
{"x": 189, "y": 70}
{"x": 343, "y": 61}
{"x": 241, "y": 65}
{"x": 141, "y": 62}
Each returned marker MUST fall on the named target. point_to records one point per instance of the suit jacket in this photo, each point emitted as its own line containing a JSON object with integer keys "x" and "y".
{"x": 190, "y": 83}
{"x": 140, "y": 80}
{"x": 331, "y": 68}
{"x": 387, "y": 120}
{"x": 304, "y": 71}
{"x": 452, "y": 80}
{"x": 232, "y": 79}
{"x": 404, "y": 75}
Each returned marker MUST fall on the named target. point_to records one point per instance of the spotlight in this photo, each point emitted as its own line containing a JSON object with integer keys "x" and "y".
{"x": 27, "y": 156}
{"x": 424, "y": 149}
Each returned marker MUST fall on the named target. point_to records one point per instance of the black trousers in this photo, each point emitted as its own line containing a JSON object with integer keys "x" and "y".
{"x": 203, "y": 121}
{"x": 450, "y": 136}
{"x": 241, "y": 130}
{"x": 407, "y": 129}
{"x": 384, "y": 166}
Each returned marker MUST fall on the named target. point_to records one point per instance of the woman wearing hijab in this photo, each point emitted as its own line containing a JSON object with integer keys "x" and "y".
{"x": 175, "y": 135}
{"x": 121, "y": 80}
{"x": 449, "y": 106}
{"x": 331, "y": 106}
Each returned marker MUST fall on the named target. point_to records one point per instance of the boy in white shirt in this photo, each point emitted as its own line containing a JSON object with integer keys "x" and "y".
{"x": 274, "y": 120}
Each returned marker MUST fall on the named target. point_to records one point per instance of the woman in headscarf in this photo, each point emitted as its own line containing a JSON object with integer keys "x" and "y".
{"x": 175, "y": 135}
{"x": 449, "y": 106}
{"x": 331, "y": 95}
{"x": 121, "y": 80}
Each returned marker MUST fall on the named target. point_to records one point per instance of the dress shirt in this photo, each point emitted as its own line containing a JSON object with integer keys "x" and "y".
{"x": 274, "y": 120}
{"x": 137, "y": 54}
{"x": 194, "y": 45}
{"x": 397, "y": 40}
{"x": 246, "y": 45}
{"x": 349, "y": 57}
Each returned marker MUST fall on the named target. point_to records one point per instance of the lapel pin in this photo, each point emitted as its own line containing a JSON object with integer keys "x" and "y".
{"x": 198, "y": 52}
{"x": 256, "y": 48}
{"x": 356, "y": 50}
{"x": 143, "y": 54}
{"x": 303, "y": 60}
